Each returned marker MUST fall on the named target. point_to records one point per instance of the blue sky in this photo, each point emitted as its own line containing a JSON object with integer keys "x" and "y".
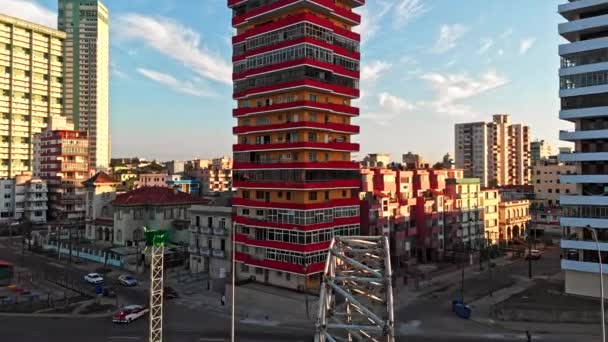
{"x": 426, "y": 64}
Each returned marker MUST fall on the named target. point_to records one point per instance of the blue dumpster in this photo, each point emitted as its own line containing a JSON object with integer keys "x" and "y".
{"x": 462, "y": 310}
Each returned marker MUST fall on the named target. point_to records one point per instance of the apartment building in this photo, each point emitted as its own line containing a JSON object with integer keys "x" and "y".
{"x": 376, "y": 160}
{"x": 466, "y": 220}
{"x": 539, "y": 149}
{"x": 87, "y": 66}
{"x": 217, "y": 177}
{"x": 496, "y": 152}
{"x": 490, "y": 202}
{"x": 584, "y": 102}
{"x": 412, "y": 160}
{"x": 296, "y": 71}
{"x": 210, "y": 244}
{"x": 31, "y": 76}
{"x": 23, "y": 198}
{"x": 153, "y": 179}
{"x": 61, "y": 158}
{"x": 514, "y": 219}
{"x": 548, "y": 186}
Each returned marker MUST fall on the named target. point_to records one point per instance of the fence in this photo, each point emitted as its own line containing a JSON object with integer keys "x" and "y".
{"x": 95, "y": 255}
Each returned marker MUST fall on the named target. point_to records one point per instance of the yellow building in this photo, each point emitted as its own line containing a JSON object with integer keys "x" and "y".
{"x": 31, "y": 78}
{"x": 490, "y": 201}
{"x": 514, "y": 217}
{"x": 468, "y": 207}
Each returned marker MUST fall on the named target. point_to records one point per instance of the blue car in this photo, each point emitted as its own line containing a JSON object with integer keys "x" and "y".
{"x": 127, "y": 280}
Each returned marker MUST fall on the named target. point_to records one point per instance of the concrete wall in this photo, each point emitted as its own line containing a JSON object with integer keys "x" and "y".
{"x": 585, "y": 283}
{"x": 88, "y": 254}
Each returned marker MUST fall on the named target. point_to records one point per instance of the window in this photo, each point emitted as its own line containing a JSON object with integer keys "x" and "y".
{"x": 7, "y": 195}
{"x": 244, "y": 268}
{"x": 259, "y": 195}
{"x": 288, "y": 276}
{"x": 259, "y": 212}
{"x": 312, "y": 196}
{"x": 312, "y": 97}
{"x": 246, "y": 194}
{"x": 210, "y": 221}
{"x": 327, "y": 195}
{"x": 197, "y": 221}
{"x": 288, "y": 195}
{"x": 280, "y": 194}
{"x": 259, "y": 271}
{"x": 245, "y": 212}
{"x": 343, "y": 193}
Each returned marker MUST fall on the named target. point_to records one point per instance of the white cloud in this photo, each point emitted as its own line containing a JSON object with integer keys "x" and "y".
{"x": 30, "y": 11}
{"x": 185, "y": 87}
{"x": 116, "y": 71}
{"x": 449, "y": 36}
{"x": 500, "y": 52}
{"x": 371, "y": 17}
{"x": 507, "y": 33}
{"x": 388, "y": 108}
{"x": 453, "y": 88}
{"x": 175, "y": 41}
{"x": 393, "y": 103}
{"x": 406, "y": 11}
{"x": 372, "y": 71}
{"x": 525, "y": 45}
{"x": 486, "y": 44}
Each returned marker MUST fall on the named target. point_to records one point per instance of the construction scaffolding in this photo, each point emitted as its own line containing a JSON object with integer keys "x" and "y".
{"x": 155, "y": 241}
{"x": 356, "y": 299}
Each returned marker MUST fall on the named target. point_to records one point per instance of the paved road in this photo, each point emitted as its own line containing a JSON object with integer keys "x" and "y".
{"x": 433, "y": 312}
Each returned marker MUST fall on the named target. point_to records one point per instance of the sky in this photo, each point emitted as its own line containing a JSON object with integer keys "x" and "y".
{"x": 426, "y": 65}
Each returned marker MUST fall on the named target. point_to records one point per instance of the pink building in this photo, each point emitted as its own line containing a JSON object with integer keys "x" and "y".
{"x": 153, "y": 179}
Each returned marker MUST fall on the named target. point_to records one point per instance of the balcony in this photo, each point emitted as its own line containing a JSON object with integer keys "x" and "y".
{"x": 582, "y": 179}
{"x": 353, "y": 3}
{"x": 327, "y": 127}
{"x": 583, "y": 135}
{"x": 583, "y": 244}
{"x": 218, "y": 253}
{"x": 332, "y": 146}
{"x": 220, "y": 231}
{"x": 291, "y": 164}
{"x": 287, "y": 185}
{"x": 280, "y": 107}
{"x": 583, "y": 266}
{"x": 297, "y": 206}
{"x": 583, "y": 113}
{"x": 340, "y": 221}
{"x": 579, "y": 157}
{"x": 285, "y": 65}
{"x": 284, "y": 6}
{"x": 571, "y": 9}
{"x": 307, "y": 82}
{"x": 203, "y": 251}
{"x": 572, "y": 29}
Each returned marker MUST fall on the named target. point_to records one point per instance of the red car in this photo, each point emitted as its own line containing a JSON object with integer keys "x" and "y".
{"x": 130, "y": 313}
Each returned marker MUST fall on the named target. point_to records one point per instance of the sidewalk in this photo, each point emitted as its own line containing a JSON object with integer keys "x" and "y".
{"x": 405, "y": 294}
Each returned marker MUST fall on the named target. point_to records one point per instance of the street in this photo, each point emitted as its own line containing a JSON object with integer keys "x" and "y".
{"x": 428, "y": 318}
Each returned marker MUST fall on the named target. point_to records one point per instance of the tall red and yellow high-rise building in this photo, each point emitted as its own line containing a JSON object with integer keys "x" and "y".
{"x": 296, "y": 71}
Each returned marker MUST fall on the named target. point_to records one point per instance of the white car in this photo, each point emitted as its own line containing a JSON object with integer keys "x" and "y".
{"x": 93, "y": 278}
{"x": 129, "y": 313}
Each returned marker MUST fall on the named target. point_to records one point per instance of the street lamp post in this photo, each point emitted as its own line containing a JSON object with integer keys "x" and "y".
{"x": 599, "y": 255}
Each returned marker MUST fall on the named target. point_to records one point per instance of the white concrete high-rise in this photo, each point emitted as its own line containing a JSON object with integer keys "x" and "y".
{"x": 496, "y": 152}
{"x": 86, "y": 23}
{"x": 584, "y": 103}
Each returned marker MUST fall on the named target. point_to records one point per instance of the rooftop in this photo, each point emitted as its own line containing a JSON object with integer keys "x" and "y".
{"x": 156, "y": 195}
{"x": 98, "y": 178}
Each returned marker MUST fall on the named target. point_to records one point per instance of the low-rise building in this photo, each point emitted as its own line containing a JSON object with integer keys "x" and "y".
{"x": 174, "y": 167}
{"x": 490, "y": 201}
{"x": 155, "y": 208}
{"x": 374, "y": 160}
{"x": 514, "y": 219}
{"x": 153, "y": 179}
{"x": 23, "y": 198}
{"x": 547, "y": 185}
{"x": 467, "y": 228}
{"x": 185, "y": 184}
{"x": 99, "y": 215}
{"x": 210, "y": 241}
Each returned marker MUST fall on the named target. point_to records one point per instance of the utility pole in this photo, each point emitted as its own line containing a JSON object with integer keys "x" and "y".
{"x": 529, "y": 254}
{"x": 306, "y": 289}
{"x": 462, "y": 278}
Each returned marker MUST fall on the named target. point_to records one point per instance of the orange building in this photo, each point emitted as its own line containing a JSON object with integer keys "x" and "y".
{"x": 296, "y": 71}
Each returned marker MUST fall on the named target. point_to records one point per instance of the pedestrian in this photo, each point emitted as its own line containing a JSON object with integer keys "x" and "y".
{"x": 528, "y": 336}
{"x": 223, "y": 300}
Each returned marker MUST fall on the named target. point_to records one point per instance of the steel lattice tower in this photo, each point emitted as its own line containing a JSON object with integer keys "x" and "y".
{"x": 356, "y": 301}
{"x": 156, "y": 241}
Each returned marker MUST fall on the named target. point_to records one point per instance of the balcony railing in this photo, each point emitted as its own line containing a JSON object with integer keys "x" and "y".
{"x": 218, "y": 253}
{"x": 204, "y": 251}
{"x": 220, "y": 231}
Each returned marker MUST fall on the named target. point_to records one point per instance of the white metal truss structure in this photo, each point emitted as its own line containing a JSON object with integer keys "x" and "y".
{"x": 156, "y": 293}
{"x": 356, "y": 299}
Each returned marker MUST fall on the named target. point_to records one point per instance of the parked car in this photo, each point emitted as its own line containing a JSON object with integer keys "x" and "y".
{"x": 127, "y": 280}
{"x": 534, "y": 254}
{"x": 129, "y": 313}
{"x": 93, "y": 278}
{"x": 170, "y": 293}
